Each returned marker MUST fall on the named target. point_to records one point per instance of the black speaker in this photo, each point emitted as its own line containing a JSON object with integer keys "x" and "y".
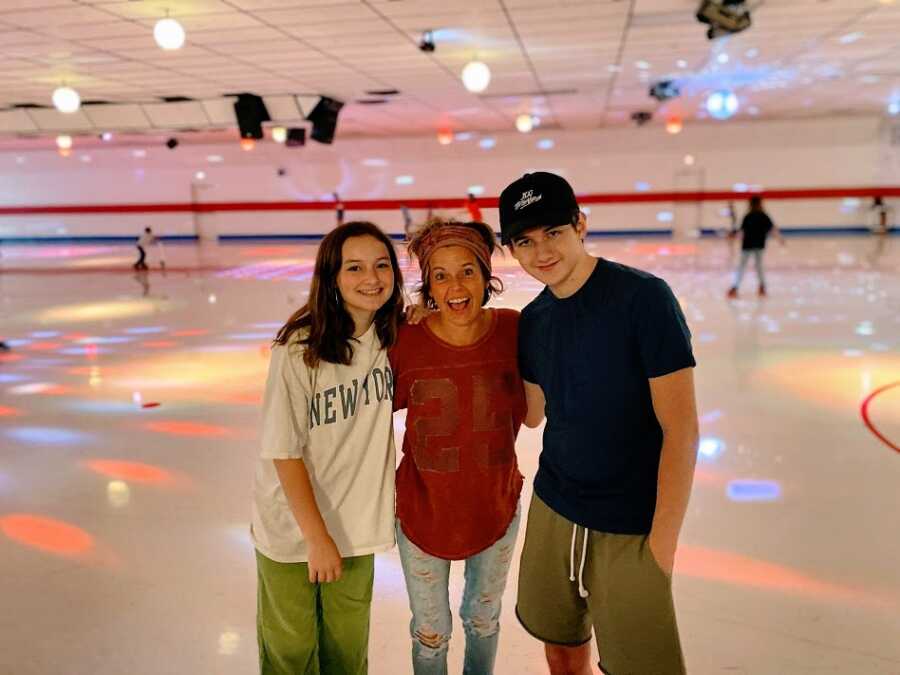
{"x": 296, "y": 136}
{"x": 251, "y": 113}
{"x": 324, "y": 119}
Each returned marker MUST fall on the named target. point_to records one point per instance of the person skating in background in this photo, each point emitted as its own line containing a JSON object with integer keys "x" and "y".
{"x": 755, "y": 229}
{"x": 146, "y": 238}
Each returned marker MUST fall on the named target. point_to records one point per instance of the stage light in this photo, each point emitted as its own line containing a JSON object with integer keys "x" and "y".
{"x": 722, "y": 104}
{"x": 674, "y": 125}
{"x": 168, "y": 34}
{"x": 476, "y": 76}
{"x": 66, "y": 99}
{"x": 426, "y": 44}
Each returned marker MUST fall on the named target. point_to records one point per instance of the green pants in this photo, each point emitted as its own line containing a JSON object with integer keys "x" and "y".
{"x": 313, "y": 629}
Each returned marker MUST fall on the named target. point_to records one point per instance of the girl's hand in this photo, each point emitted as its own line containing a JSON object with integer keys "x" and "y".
{"x": 324, "y": 560}
{"x": 416, "y": 314}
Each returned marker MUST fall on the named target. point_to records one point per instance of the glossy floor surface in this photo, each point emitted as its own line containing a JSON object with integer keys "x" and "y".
{"x": 129, "y": 408}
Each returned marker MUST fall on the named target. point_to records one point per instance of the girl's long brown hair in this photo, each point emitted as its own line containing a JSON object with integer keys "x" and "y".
{"x": 330, "y": 325}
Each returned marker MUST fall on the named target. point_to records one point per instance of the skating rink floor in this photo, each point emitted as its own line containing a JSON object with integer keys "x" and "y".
{"x": 129, "y": 412}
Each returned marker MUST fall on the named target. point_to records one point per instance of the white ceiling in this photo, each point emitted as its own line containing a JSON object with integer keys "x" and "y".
{"x": 575, "y": 63}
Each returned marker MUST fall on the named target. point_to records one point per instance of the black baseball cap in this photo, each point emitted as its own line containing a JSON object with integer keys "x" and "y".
{"x": 539, "y": 199}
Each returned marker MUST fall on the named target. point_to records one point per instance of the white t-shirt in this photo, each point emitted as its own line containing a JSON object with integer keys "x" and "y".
{"x": 145, "y": 239}
{"x": 337, "y": 419}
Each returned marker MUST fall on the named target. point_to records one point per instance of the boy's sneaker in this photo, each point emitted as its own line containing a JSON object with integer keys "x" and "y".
{"x": 762, "y": 291}
{"x": 732, "y": 293}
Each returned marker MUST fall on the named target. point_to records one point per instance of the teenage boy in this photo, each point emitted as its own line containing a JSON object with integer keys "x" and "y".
{"x": 608, "y": 349}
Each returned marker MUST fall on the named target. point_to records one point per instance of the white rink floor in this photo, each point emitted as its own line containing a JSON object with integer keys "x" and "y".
{"x": 123, "y": 528}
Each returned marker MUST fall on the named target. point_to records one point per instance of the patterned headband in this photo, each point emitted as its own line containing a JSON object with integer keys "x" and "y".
{"x": 450, "y": 235}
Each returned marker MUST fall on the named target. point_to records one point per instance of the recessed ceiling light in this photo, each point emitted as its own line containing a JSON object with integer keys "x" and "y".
{"x": 66, "y": 99}
{"x": 476, "y": 76}
{"x": 524, "y": 123}
{"x": 169, "y": 34}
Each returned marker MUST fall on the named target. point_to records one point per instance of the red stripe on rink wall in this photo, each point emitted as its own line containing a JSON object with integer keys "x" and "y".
{"x": 446, "y": 203}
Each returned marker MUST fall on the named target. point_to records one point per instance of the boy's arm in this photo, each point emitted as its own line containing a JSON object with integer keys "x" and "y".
{"x": 676, "y": 410}
{"x": 534, "y": 397}
{"x": 324, "y": 558}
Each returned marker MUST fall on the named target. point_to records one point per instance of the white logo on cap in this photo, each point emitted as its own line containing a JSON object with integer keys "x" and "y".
{"x": 528, "y": 197}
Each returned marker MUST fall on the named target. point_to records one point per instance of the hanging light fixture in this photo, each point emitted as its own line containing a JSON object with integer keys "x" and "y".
{"x": 169, "y": 34}
{"x": 66, "y": 99}
{"x": 476, "y": 76}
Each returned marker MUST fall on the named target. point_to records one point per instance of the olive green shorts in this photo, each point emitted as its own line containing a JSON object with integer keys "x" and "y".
{"x": 628, "y": 603}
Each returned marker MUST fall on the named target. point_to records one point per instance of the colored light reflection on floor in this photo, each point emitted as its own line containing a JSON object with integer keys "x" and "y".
{"x": 178, "y": 428}
{"x": 753, "y": 491}
{"x": 47, "y": 436}
{"x": 135, "y": 472}
{"x": 6, "y": 411}
{"x": 734, "y": 568}
{"x": 46, "y": 534}
{"x": 98, "y": 311}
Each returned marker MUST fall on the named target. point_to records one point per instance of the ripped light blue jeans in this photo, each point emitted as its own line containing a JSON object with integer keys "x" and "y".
{"x": 427, "y": 579}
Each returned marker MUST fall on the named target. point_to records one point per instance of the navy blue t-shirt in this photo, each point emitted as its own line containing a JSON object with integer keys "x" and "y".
{"x": 592, "y": 354}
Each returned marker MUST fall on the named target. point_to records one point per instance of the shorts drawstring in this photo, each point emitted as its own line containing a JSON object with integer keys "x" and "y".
{"x": 582, "y": 591}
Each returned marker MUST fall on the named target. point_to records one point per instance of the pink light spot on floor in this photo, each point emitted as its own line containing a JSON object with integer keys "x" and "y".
{"x": 244, "y": 398}
{"x": 6, "y": 411}
{"x": 739, "y": 570}
{"x": 135, "y": 472}
{"x": 190, "y": 332}
{"x": 159, "y": 344}
{"x": 43, "y": 346}
{"x": 46, "y": 534}
{"x": 178, "y": 428}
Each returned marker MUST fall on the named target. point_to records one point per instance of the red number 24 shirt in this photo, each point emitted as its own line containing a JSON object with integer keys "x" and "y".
{"x": 458, "y": 483}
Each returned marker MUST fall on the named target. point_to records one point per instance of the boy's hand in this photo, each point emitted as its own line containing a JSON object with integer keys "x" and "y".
{"x": 324, "y": 560}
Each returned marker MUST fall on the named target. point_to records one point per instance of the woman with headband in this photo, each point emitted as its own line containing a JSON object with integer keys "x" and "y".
{"x": 458, "y": 483}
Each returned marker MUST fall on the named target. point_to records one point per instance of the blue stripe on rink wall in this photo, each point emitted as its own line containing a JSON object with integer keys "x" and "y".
{"x": 172, "y": 238}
